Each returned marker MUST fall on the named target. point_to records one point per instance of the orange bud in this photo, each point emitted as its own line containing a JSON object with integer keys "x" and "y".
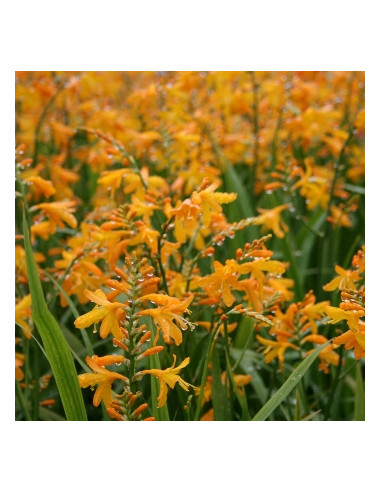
{"x": 121, "y": 273}
{"x": 111, "y": 150}
{"x": 26, "y": 162}
{"x": 119, "y": 344}
{"x": 114, "y": 414}
{"x": 111, "y": 225}
{"x": 140, "y": 409}
{"x": 114, "y": 284}
{"x": 145, "y": 337}
{"x": 151, "y": 351}
{"x": 108, "y": 360}
{"x": 54, "y": 251}
{"x": 45, "y": 403}
{"x": 132, "y": 399}
{"x": 351, "y": 306}
{"x": 319, "y": 339}
{"x": 273, "y": 186}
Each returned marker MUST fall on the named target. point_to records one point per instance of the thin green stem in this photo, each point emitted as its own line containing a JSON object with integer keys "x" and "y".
{"x": 335, "y": 383}
{"x": 36, "y": 383}
{"x": 255, "y": 131}
{"x": 42, "y": 119}
{"x": 209, "y": 349}
{"x": 22, "y": 401}
{"x": 245, "y": 347}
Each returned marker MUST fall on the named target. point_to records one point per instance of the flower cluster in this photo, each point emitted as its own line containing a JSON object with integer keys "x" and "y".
{"x": 191, "y": 220}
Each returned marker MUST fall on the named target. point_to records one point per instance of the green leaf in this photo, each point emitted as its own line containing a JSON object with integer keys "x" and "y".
{"x": 55, "y": 345}
{"x": 219, "y": 395}
{"x": 240, "y": 397}
{"x": 247, "y": 364}
{"x": 244, "y": 331}
{"x": 354, "y": 189}
{"x": 234, "y": 185}
{"x": 298, "y": 407}
{"x": 359, "y": 395}
{"x": 75, "y": 312}
{"x": 47, "y": 414}
{"x": 294, "y": 378}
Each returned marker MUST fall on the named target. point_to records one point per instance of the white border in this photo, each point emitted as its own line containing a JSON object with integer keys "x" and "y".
{"x": 176, "y": 35}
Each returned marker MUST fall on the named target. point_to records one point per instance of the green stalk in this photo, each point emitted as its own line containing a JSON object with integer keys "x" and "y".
{"x": 255, "y": 132}
{"x": 22, "y": 401}
{"x": 205, "y": 370}
{"x": 36, "y": 383}
{"x": 335, "y": 383}
{"x": 41, "y": 121}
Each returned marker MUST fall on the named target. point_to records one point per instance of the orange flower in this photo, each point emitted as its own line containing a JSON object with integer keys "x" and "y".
{"x": 352, "y": 317}
{"x": 275, "y": 349}
{"x": 22, "y": 312}
{"x": 210, "y": 201}
{"x": 145, "y": 235}
{"x": 271, "y": 219}
{"x": 169, "y": 310}
{"x": 312, "y": 312}
{"x": 59, "y": 212}
{"x": 169, "y": 377}
{"x": 112, "y": 180}
{"x": 339, "y": 217}
{"x": 101, "y": 376}
{"x": 353, "y": 339}
{"x": 42, "y": 229}
{"x": 42, "y": 186}
{"x": 186, "y": 219}
{"x": 327, "y": 355}
{"x": 355, "y": 336}
{"x": 221, "y": 281}
{"x": 345, "y": 280}
{"x": 107, "y": 313}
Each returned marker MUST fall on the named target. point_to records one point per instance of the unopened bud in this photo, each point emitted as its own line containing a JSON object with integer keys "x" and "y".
{"x": 151, "y": 351}
{"x": 140, "y": 409}
{"x": 114, "y": 414}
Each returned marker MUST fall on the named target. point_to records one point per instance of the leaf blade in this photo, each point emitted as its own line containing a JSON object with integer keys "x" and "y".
{"x": 294, "y": 378}
{"x": 55, "y": 345}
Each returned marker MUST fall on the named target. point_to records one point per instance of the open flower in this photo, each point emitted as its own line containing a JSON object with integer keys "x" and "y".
{"x": 59, "y": 212}
{"x": 271, "y": 219}
{"x": 352, "y": 317}
{"x": 355, "y": 336}
{"x": 107, "y": 312}
{"x": 224, "y": 278}
{"x": 101, "y": 376}
{"x": 210, "y": 200}
{"x": 23, "y": 311}
{"x": 275, "y": 349}
{"x": 345, "y": 280}
{"x": 353, "y": 339}
{"x": 169, "y": 377}
{"x": 169, "y": 310}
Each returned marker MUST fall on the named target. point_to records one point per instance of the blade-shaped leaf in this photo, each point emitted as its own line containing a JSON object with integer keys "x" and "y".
{"x": 359, "y": 395}
{"x": 294, "y": 378}
{"x": 56, "y": 347}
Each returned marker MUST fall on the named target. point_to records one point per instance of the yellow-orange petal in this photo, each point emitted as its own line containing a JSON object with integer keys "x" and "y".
{"x": 92, "y": 317}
